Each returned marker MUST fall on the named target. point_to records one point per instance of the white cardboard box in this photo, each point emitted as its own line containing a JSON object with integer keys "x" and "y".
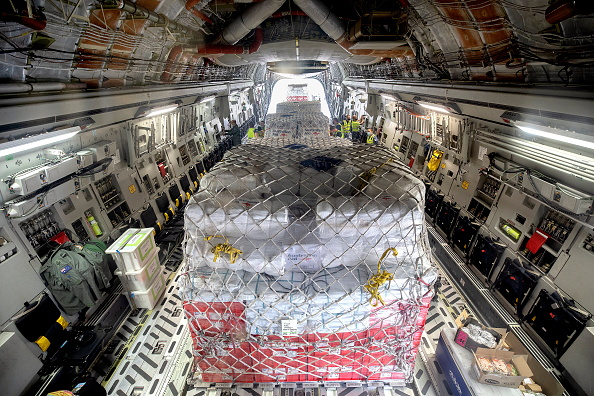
{"x": 148, "y": 298}
{"x": 133, "y": 249}
{"x": 144, "y": 277}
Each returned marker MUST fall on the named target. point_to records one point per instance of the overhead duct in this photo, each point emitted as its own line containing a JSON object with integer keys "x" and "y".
{"x": 281, "y": 14}
{"x": 336, "y": 29}
{"x": 562, "y": 10}
{"x": 234, "y": 32}
{"x": 248, "y": 21}
{"x": 222, "y": 49}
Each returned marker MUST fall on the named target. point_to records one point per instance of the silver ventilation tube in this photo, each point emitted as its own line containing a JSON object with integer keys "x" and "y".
{"x": 249, "y": 20}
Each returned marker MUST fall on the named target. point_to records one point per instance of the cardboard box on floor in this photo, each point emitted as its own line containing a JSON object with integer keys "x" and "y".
{"x": 464, "y": 340}
{"x": 549, "y": 384}
{"x": 508, "y": 381}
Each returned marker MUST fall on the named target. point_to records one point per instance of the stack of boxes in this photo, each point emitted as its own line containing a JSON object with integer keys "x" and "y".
{"x": 287, "y": 243}
{"x": 297, "y": 122}
{"x": 139, "y": 269}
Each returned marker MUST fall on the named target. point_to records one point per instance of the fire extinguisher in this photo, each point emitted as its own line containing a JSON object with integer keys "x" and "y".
{"x": 94, "y": 225}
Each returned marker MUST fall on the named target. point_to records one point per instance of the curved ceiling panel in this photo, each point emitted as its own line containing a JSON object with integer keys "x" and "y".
{"x": 109, "y": 42}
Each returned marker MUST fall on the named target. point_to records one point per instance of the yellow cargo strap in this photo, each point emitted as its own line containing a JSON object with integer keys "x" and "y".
{"x": 223, "y": 248}
{"x": 435, "y": 160}
{"x": 377, "y": 280}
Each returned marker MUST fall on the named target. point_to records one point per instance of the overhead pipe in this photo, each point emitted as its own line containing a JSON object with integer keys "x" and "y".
{"x": 248, "y": 21}
{"x": 562, "y": 10}
{"x": 35, "y": 23}
{"x": 168, "y": 74}
{"x": 336, "y": 29}
{"x": 39, "y": 87}
{"x": 222, "y": 49}
{"x": 190, "y": 4}
{"x": 235, "y": 31}
{"x": 139, "y": 12}
{"x": 178, "y": 52}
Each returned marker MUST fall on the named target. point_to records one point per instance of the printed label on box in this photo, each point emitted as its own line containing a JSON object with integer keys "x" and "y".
{"x": 289, "y": 327}
{"x": 297, "y": 256}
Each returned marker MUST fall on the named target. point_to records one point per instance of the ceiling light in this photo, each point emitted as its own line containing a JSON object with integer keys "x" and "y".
{"x": 446, "y": 108}
{"x": 32, "y": 142}
{"x": 554, "y": 134}
{"x": 146, "y": 111}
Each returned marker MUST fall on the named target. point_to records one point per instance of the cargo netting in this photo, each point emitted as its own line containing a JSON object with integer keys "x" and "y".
{"x": 300, "y": 107}
{"x": 306, "y": 261}
{"x": 297, "y": 124}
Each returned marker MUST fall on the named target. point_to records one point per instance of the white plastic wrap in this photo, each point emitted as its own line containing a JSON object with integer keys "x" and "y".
{"x": 328, "y": 301}
{"x": 305, "y": 209}
{"x": 283, "y": 242}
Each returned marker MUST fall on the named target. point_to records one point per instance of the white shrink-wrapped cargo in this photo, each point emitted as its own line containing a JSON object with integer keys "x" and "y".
{"x": 315, "y": 208}
{"x": 317, "y": 141}
{"x": 297, "y": 124}
{"x": 326, "y": 301}
{"x": 309, "y": 106}
{"x": 306, "y": 260}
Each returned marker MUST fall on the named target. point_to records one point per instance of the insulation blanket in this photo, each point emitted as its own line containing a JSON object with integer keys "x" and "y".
{"x": 329, "y": 301}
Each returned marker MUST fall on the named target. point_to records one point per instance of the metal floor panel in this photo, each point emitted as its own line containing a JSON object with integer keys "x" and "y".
{"x": 152, "y": 347}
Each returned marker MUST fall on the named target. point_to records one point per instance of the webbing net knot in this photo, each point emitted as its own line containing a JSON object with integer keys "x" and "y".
{"x": 377, "y": 280}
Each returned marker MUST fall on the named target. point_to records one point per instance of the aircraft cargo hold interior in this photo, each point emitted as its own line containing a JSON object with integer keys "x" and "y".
{"x": 296, "y": 197}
